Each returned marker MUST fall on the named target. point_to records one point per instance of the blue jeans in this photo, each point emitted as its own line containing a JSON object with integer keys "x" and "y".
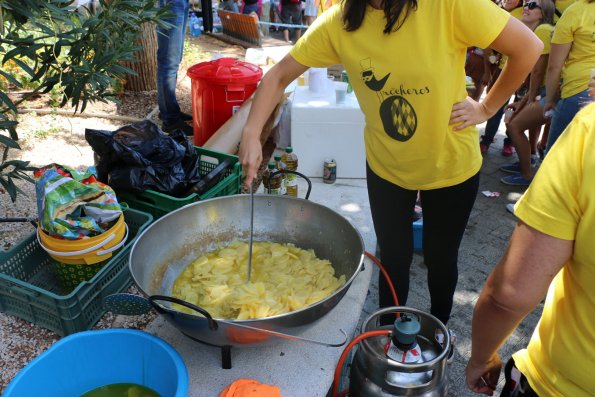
{"x": 564, "y": 113}
{"x": 170, "y": 47}
{"x": 492, "y": 127}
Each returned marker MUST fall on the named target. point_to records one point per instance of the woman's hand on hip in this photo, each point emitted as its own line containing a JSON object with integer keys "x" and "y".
{"x": 467, "y": 113}
{"x": 250, "y": 157}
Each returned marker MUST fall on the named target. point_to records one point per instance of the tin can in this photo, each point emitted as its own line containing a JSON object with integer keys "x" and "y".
{"x": 345, "y": 78}
{"x": 329, "y": 171}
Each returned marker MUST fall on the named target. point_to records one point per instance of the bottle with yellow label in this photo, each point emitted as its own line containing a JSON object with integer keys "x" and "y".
{"x": 275, "y": 183}
{"x": 281, "y": 166}
{"x": 289, "y": 158}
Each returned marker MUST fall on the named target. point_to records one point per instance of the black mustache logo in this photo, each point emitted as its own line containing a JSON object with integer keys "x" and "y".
{"x": 371, "y": 82}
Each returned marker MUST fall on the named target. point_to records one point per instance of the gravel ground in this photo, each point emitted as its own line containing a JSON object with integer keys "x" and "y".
{"x": 56, "y": 138}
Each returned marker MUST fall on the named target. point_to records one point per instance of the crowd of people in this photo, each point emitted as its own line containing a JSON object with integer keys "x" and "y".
{"x": 420, "y": 138}
{"x": 280, "y": 14}
{"x": 542, "y": 106}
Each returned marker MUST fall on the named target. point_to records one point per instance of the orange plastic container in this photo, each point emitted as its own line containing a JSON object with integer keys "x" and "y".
{"x": 219, "y": 88}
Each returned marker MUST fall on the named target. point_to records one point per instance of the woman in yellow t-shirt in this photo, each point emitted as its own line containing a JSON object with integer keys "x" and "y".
{"x": 420, "y": 133}
{"x": 551, "y": 254}
{"x": 528, "y": 112}
{"x": 572, "y": 58}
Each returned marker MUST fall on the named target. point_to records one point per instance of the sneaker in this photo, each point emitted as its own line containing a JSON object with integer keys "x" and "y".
{"x": 510, "y": 208}
{"x": 484, "y": 148}
{"x": 178, "y": 125}
{"x": 507, "y": 150}
{"x": 515, "y": 180}
{"x": 439, "y": 336}
{"x": 515, "y": 167}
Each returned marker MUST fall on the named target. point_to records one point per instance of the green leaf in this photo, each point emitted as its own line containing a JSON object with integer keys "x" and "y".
{"x": 10, "y": 78}
{"x": 4, "y": 98}
{"x": 8, "y": 142}
{"x": 24, "y": 66}
{"x": 11, "y": 188}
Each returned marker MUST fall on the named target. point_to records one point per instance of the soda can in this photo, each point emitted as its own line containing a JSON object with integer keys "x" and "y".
{"x": 329, "y": 171}
{"x": 345, "y": 79}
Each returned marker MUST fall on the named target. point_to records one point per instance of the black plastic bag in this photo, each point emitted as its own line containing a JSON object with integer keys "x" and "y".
{"x": 140, "y": 156}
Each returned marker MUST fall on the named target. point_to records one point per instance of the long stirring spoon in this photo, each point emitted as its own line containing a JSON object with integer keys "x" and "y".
{"x": 251, "y": 232}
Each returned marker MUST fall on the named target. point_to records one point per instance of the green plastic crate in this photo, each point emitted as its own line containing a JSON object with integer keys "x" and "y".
{"x": 159, "y": 204}
{"x": 29, "y": 288}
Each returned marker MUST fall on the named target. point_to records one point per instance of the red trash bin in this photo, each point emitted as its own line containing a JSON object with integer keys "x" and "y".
{"x": 219, "y": 88}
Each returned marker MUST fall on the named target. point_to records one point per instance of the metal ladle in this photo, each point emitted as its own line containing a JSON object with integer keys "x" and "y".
{"x": 251, "y": 232}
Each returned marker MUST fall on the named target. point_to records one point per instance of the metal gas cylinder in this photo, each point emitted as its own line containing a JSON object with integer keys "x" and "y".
{"x": 409, "y": 363}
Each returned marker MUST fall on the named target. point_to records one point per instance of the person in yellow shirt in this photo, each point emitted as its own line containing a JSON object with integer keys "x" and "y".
{"x": 572, "y": 58}
{"x": 538, "y": 15}
{"x": 551, "y": 250}
{"x": 405, "y": 60}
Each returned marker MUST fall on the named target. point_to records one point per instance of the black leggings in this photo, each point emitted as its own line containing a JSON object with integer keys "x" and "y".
{"x": 445, "y": 215}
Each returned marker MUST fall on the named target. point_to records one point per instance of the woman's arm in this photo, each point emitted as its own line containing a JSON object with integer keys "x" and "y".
{"x": 266, "y": 98}
{"x": 522, "y": 48}
{"x": 516, "y": 285}
{"x": 558, "y": 55}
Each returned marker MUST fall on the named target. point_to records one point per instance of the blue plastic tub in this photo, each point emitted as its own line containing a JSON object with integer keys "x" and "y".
{"x": 87, "y": 360}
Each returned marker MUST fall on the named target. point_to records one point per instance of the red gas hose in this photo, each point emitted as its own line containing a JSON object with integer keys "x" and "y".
{"x": 385, "y": 274}
{"x": 346, "y": 351}
{"x": 365, "y": 334}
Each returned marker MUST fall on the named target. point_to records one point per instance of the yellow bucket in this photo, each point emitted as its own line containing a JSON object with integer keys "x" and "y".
{"x": 88, "y": 250}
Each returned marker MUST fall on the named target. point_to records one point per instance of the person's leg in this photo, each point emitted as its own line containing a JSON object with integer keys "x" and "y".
{"x": 492, "y": 126}
{"x": 529, "y": 117}
{"x": 265, "y": 12}
{"x": 392, "y": 213}
{"x": 274, "y": 13}
{"x": 534, "y": 134}
{"x": 563, "y": 114}
{"x": 296, "y": 17}
{"x": 543, "y": 141}
{"x": 170, "y": 43}
{"x": 445, "y": 215}
{"x": 286, "y": 19}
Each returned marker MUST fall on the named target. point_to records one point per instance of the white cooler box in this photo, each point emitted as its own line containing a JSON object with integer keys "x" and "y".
{"x": 321, "y": 129}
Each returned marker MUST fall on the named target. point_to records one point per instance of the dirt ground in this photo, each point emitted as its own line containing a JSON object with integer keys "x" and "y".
{"x": 59, "y": 138}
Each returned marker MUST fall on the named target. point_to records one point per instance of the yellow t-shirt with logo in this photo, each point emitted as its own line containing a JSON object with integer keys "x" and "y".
{"x": 560, "y": 358}
{"x": 544, "y": 33}
{"x": 406, "y": 83}
{"x": 577, "y": 27}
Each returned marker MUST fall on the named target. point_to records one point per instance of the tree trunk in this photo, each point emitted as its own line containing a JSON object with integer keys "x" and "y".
{"x": 146, "y": 62}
